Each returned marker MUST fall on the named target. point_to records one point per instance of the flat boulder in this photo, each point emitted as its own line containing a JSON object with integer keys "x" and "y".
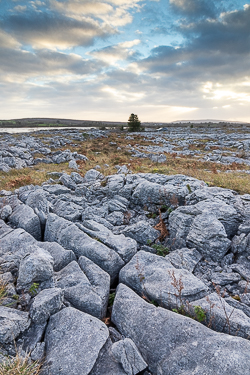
{"x": 73, "y": 341}
{"x": 155, "y": 278}
{"x": 12, "y": 323}
{"x": 24, "y": 217}
{"x": 174, "y": 344}
{"x": 71, "y": 237}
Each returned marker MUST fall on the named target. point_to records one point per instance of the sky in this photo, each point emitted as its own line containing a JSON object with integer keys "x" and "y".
{"x": 165, "y": 60}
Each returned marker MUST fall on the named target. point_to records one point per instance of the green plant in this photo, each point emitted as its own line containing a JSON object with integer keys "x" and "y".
{"x": 199, "y": 313}
{"x": 34, "y": 289}
{"x": 161, "y": 249}
{"x": 189, "y": 188}
{"x": 151, "y": 215}
{"x": 149, "y": 242}
{"x": 111, "y": 299}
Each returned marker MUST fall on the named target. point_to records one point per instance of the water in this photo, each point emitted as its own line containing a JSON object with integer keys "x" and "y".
{"x": 35, "y": 129}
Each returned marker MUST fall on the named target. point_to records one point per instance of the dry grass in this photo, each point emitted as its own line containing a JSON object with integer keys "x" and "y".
{"x": 100, "y": 152}
{"x": 20, "y": 366}
{"x": 3, "y": 292}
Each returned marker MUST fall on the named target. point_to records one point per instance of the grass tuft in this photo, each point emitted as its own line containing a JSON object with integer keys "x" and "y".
{"x": 19, "y": 366}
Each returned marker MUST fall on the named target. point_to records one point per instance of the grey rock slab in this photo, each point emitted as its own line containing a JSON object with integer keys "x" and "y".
{"x": 238, "y": 305}
{"x": 99, "y": 279}
{"x": 156, "y": 279}
{"x": 184, "y": 258}
{"x": 61, "y": 256}
{"x": 92, "y": 175}
{"x": 241, "y": 243}
{"x": 222, "y": 317}
{"x": 73, "y": 165}
{"x": 28, "y": 339}
{"x": 36, "y": 266}
{"x": 115, "y": 183}
{"x": 224, "y": 212}
{"x": 70, "y": 275}
{"x": 124, "y": 246}
{"x": 38, "y": 353}
{"x": 14, "y": 245}
{"x": 180, "y": 221}
{"x": 24, "y": 217}
{"x": 173, "y": 344}
{"x": 68, "y": 210}
{"x": 12, "y": 323}
{"x": 76, "y": 177}
{"x": 73, "y": 342}
{"x": 141, "y": 232}
{"x": 242, "y": 267}
{"x": 86, "y": 288}
{"x": 71, "y": 237}
{"x": 208, "y": 236}
{"x": 126, "y": 353}
{"x": 115, "y": 218}
{"x": 45, "y": 304}
{"x": 56, "y": 189}
{"x": 4, "y": 228}
{"x": 67, "y": 181}
{"x": 38, "y": 200}
{"x": 106, "y": 363}
{"x": 224, "y": 278}
{"x": 5, "y": 212}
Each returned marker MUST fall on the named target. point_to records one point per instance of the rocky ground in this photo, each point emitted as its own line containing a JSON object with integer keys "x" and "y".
{"x": 125, "y": 273}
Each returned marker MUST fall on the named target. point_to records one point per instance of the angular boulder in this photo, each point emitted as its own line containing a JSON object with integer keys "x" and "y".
{"x": 73, "y": 341}
{"x": 174, "y": 344}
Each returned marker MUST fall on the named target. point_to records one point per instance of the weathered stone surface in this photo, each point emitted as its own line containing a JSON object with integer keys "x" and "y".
{"x": 126, "y": 353}
{"x": 70, "y": 237}
{"x": 208, "y": 236}
{"x": 86, "y": 288}
{"x": 106, "y": 363}
{"x": 24, "y": 217}
{"x": 224, "y": 278}
{"x": 60, "y": 256}
{"x": 12, "y": 323}
{"x": 142, "y": 232}
{"x": 174, "y": 344}
{"x": 14, "y": 245}
{"x": 68, "y": 210}
{"x": 124, "y": 246}
{"x": 92, "y": 175}
{"x": 34, "y": 267}
{"x": 45, "y": 304}
{"x": 5, "y": 212}
{"x": 56, "y": 189}
{"x": 67, "y": 181}
{"x": 73, "y": 341}
{"x": 184, "y": 258}
{"x": 242, "y": 267}
{"x": 156, "y": 279}
{"x": 223, "y": 317}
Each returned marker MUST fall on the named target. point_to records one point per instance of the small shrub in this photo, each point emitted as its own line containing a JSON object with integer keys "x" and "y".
{"x": 199, "y": 313}
{"x": 33, "y": 289}
{"x": 161, "y": 249}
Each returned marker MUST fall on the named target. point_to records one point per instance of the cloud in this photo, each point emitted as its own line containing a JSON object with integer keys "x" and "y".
{"x": 112, "y": 54}
{"x": 20, "y": 8}
{"x": 43, "y": 63}
{"x": 7, "y": 40}
{"x": 48, "y": 30}
{"x": 194, "y": 8}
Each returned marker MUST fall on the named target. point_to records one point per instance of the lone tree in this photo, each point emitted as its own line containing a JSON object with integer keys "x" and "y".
{"x": 134, "y": 124}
